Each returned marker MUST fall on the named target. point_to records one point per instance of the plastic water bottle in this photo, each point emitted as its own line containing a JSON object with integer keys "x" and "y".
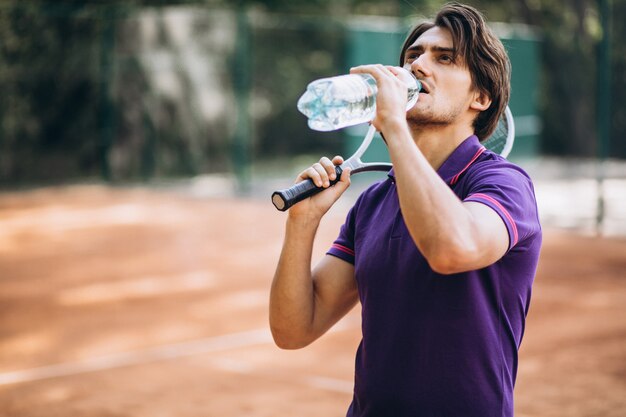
{"x": 347, "y": 100}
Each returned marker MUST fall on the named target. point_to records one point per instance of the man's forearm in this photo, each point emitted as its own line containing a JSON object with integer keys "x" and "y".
{"x": 437, "y": 220}
{"x": 292, "y": 299}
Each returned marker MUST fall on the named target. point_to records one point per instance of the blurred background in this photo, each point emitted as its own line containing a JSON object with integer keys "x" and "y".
{"x": 144, "y": 89}
{"x": 140, "y": 141}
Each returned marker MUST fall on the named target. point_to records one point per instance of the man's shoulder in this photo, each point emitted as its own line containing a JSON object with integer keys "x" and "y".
{"x": 492, "y": 166}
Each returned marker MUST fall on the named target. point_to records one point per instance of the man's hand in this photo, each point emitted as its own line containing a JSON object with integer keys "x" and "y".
{"x": 321, "y": 174}
{"x": 391, "y": 99}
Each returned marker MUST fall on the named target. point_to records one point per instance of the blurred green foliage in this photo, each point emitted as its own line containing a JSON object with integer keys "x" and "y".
{"x": 80, "y": 97}
{"x": 45, "y": 71}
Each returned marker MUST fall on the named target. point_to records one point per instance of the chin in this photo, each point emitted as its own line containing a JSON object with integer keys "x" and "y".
{"x": 417, "y": 114}
{"x": 415, "y": 111}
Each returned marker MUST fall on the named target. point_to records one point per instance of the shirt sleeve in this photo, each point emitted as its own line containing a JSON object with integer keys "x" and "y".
{"x": 343, "y": 246}
{"x": 509, "y": 192}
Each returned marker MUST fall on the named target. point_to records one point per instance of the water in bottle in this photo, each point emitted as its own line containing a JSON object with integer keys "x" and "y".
{"x": 346, "y": 100}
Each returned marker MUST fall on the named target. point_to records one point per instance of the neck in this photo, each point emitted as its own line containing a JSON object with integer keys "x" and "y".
{"x": 437, "y": 142}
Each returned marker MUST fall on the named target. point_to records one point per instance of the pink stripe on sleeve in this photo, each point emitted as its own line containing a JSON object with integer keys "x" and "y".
{"x": 343, "y": 249}
{"x": 506, "y": 213}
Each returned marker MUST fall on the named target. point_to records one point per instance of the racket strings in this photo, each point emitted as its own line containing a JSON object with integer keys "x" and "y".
{"x": 497, "y": 141}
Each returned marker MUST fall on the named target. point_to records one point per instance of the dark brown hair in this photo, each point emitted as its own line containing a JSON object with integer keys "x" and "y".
{"x": 483, "y": 54}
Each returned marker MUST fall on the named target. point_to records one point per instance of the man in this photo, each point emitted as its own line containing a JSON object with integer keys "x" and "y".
{"x": 441, "y": 255}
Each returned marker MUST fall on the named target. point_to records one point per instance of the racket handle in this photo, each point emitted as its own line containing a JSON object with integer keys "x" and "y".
{"x": 284, "y": 199}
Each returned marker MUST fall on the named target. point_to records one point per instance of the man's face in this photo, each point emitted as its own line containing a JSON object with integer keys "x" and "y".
{"x": 446, "y": 83}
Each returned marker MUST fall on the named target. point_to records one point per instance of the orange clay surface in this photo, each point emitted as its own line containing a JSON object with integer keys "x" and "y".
{"x": 135, "y": 302}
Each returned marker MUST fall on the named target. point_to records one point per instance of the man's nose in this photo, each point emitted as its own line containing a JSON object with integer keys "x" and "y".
{"x": 420, "y": 66}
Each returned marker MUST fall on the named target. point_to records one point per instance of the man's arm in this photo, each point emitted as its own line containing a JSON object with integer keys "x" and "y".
{"x": 453, "y": 236}
{"x": 304, "y": 304}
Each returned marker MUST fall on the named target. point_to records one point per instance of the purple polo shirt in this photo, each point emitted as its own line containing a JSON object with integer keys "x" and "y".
{"x": 441, "y": 345}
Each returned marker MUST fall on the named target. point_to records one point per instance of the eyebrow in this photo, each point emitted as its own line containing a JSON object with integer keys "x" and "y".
{"x": 435, "y": 48}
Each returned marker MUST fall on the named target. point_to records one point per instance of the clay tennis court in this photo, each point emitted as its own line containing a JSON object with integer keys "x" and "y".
{"x": 142, "y": 302}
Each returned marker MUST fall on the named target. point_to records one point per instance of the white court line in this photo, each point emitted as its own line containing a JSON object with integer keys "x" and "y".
{"x": 155, "y": 354}
{"x": 312, "y": 381}
{"x": 330, "y": 384}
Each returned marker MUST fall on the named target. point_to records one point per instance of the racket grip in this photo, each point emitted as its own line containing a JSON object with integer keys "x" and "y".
{"x": 284, "y": 199}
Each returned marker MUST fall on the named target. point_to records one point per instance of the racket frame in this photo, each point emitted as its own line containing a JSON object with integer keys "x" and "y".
{"x": 286, "y": 198}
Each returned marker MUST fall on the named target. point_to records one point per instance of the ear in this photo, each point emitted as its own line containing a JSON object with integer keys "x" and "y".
{"x": 480, "y": 102}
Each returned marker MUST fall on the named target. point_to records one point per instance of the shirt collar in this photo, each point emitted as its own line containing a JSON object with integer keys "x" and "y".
{"x": 459, "y": 160}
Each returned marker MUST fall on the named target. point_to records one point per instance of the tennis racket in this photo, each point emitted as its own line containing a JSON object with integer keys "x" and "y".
{"x": 500, "y": 142}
